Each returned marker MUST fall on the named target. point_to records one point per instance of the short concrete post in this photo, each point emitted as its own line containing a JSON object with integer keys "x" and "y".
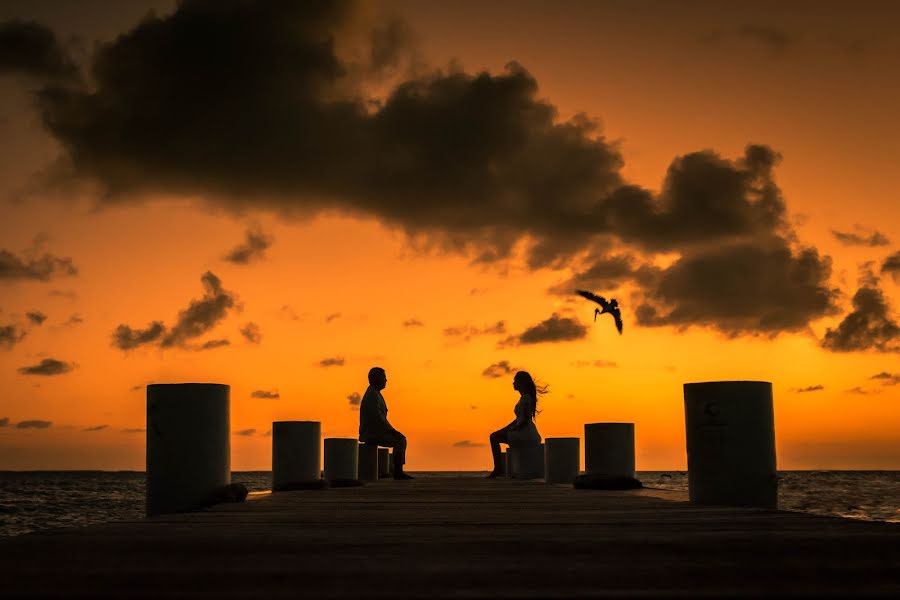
{"x": 341, "y": 455}
{"x": 730, "y": 428}
{"x": 508, "y": 463}
{"x": 528, "y": 461}
{"x": 368, "y": 462}
{"x": 609, "y": 449}
{"x": 384, "y": 462}
{"x": 562, "y": 459}
{"x": 188, "y": 445}
{"x": 296, "y": 453}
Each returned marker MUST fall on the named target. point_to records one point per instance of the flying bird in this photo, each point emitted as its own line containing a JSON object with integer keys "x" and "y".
{"x": 611, "y": 307}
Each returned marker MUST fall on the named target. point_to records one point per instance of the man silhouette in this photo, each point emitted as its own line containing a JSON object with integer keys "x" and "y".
{"x": 374, "y": 427}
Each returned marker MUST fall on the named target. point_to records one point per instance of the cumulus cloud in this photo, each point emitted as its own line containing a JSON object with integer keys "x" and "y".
{"x": 253, "y": 248}
{"x": 47, "y": 367}
{"x": 556, "y": 328}
{"x": 31, "y": 49}
{"x": 869, "y": 326}
{"x": 96, "y": 428}
{"x": 33, "y": 424}
{"x": 36, "y": 317}
{"x": 73, "y": 320}
{"x": 334, "y": 361}
{"x": 251, "y": 333}
{"x": 413, "y": 323}
{"x": 266, "y": 394}
{"x": 244, "y": 432}
{"x": 197, "y": 319}
{"x": 811, "y": 388}
{"x": 467, "y": 332}
{"x": 891, "y": 266}
{"x": 10, "y": 335}
{"x": 887, "y": 378}
{"x": 861, "y": 237}
{"x": 468, "y": 444}
{"x": 354, "y": 399}
{"x": 499, "y": 369}
{"x": 33, "y": 267}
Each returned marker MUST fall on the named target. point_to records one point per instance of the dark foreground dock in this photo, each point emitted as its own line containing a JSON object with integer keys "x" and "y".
{"x": 438, "y": 538}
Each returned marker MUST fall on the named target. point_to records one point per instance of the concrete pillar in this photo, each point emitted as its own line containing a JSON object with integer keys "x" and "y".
{"x": 341, "y": 455}
{"x": 609, "y": 449}
{"x": 384, "y": 462}
{"x": 730, "y": 428}
{"x": 368, "y": 462}
{"x": 296, "y": 452}
{"x": 188, "y": 445}
{"x": 562, "y": 459}
{"x": 508, "y": 463}
{"x": 528, "y": 461}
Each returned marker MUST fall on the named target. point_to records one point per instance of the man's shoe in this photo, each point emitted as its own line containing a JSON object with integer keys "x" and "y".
{"x": 402, "y": 476}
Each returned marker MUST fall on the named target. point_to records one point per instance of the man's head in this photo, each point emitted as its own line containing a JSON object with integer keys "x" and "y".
{"x": 377, "y": 378}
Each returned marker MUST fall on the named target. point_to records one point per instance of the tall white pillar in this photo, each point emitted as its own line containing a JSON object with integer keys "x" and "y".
{"x": 296, "y": 453}
{"x": 730, "y": 428}
{"x": 188, "y": 445}
{"x": 562, "y": 459}
{"x": 341, "y": 456}
{"x": 609, "y": 449}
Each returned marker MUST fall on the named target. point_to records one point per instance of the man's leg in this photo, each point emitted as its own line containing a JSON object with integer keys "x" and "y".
{"x": 397, "y": 441}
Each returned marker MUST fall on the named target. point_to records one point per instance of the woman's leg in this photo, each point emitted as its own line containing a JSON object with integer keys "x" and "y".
{"x": 498, "y": 437}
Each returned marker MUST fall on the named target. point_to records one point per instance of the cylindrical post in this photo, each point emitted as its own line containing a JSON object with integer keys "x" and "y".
{"x": 609, "y": 449}
{"x": 508, "y": 461}
{"x": 730, "y": 428}
{"x": 562, "y": 458}
{"x": 341, "y": 455}
{"x": 296, "y": 453}
{"x": 368, "y": 462}
{"x": 384, "y": 462}
{"x": 188, "y": 445}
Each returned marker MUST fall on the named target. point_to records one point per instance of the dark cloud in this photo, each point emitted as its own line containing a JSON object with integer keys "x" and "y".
{"x": 126, "y": 338}
{"x": 467, "y": 332}
{"x": 33, "y": 424}
{"x": 499, "y": 369}
{"x": 413, "y": 323}
{"x": 253, "y": 248}
{"x": 473, "y": 407}
{"x": 601, "y": 364}
{"x": 266, "y": 394}
{"x": 332, "y": 317}
{"x": 811, "y": 388}
{"x": 468, "y": 444}
{"x": 96, "y": 428}
{"x": 47, "y": 366}
{"x": 4, "y": 422}
{"x": 67, "y": 294}
{"x": 136, "y": 388}
{"x": 553, "y": 329}
{"x": 354, "y": 399}
{"x": 861, "y": 237}
{"x": 776, "y": 40}
{"x": 887, "y": 378}
{"x": 244, "y": 432}
{"x": 10, "y": 335}
{"x": 869, "y": 326}
{"x": 73, "y": 320}
{"x": 32, "y": 267}
{"x": 251, "y": 333}
{"x": 335, "y": 361}
{"x": 36, "y": 317}
{"x": 891, "y": 265}
{"x": 197, "y": 319}
{"x": 213, "y": 344}
{"x": 28, "y": 48}
{"x": 858, "y": 391}
{"x": 134, "y": 430}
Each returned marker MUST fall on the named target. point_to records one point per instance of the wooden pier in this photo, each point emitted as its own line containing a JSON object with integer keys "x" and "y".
{"x": 463, "y": 537}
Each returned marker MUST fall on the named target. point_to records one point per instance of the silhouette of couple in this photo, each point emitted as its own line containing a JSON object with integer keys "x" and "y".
{"x": 374, "y": 427}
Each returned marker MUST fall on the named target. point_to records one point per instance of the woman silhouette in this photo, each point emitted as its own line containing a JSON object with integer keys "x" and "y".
{"x": 522, "y": 431}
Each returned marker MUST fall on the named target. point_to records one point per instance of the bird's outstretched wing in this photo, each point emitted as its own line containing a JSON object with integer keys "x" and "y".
{"x": 617, "y": 317}
{"x": 592, "y": 296}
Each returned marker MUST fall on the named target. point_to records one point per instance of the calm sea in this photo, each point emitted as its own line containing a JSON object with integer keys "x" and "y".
{"x": 34, "y": 500}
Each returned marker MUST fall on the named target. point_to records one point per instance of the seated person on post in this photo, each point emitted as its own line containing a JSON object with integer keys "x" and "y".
{"x": 521, "y": 432}
{"x": 374, "y": 427}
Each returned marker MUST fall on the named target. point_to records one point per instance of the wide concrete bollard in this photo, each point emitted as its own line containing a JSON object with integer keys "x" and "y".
{"x": 188, "y": 445}
{"x": 296, "y": 453}
{"x": 528, "y": 461}
{"x": 384, "y": 462}
{"x": 609, "y": 449}
{"x": 562, "y": 459}
{"x": 730, "y": 428}
{"x": 341, "y": 455}
{"x": 368, "y": 462}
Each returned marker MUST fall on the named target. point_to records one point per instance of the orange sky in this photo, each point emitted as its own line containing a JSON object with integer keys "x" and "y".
{"x": 662, "y": 82}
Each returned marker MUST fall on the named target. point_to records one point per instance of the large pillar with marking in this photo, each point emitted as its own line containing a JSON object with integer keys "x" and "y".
{"x": 296, "y": 453}
{"x": 730, "y": 428}
{"x": 188, "y": 445}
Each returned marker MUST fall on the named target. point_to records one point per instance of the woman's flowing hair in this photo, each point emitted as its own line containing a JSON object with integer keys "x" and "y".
{"x": 531, "y": 389}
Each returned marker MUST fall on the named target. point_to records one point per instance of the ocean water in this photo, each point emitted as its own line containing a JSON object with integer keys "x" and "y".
{"x": 36, "y": 500}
